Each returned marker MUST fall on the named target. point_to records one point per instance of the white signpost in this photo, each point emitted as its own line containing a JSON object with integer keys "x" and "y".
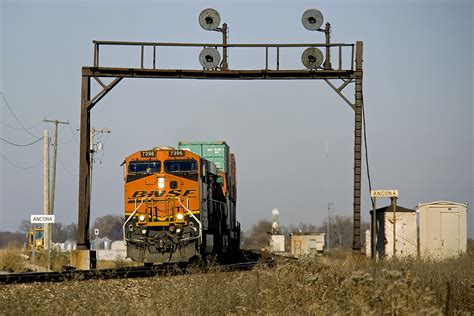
{"x": 42, "y": 219}
{"x": 384, "y": 193}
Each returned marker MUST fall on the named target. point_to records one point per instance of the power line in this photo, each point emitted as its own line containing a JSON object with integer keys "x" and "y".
{"x": 20, "y": 145}
{"x": 74, "y": 135}
{"x": 366, "y": 151}
{"x": 20, "y": 167}
{"x": 71, "y": 138}
{"x": 65, "y": 169}
{"x": 59, "y": 131}
{"x": 20, "y": 129}
{"x": 14, "y": 115}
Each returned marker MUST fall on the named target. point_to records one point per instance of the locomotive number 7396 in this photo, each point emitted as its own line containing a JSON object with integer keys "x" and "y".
{"x": 176, "y": 153}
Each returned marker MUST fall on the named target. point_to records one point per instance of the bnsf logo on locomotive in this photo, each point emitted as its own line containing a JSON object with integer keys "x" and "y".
{"x": 158, "y": 194}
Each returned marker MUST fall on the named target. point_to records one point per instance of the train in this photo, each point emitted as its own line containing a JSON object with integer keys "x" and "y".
{"x": 180, "y": 204}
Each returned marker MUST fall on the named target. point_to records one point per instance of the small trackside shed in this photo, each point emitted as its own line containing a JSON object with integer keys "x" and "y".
{"x": 443, "y": 229}
{"x": 406, "y": 243}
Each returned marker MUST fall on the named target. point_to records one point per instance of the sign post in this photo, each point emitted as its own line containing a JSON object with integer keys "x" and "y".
{"x": 33, "y": 248}
{"x": 47, "y": 220}
{"x": 374, "y": 194}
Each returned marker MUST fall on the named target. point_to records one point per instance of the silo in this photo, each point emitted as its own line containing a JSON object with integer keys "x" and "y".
{"x": 107, "y": 243}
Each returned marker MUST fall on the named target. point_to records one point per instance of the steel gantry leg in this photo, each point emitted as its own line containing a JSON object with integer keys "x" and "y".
{"x": 357, "y": 107}
{"x": 357, "y": 146}
{"x": 83, "y": 242}
{"x": 83, "y": 258}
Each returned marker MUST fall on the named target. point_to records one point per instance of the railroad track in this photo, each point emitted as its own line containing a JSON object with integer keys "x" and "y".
{"x": 118, "y": 273}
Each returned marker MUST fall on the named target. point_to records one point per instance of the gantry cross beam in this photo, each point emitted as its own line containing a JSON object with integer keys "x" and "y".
{"x": 347, "y": 76}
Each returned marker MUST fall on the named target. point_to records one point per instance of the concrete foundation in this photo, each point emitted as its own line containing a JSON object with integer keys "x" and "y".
{"x": 83, "y": 259}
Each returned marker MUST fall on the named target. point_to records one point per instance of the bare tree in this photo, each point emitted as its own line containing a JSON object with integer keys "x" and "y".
{"x": 303, "y": 228}
{"x": 259, "y": 235}
{"x": 109, "y": 226}
{"x": 341, "y": 231}
{"x": 24, "y": 226}
{"x": 71, "y": 231}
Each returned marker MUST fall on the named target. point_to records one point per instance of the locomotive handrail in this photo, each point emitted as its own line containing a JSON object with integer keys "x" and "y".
{"x": 130, "y": 217}
{"x": 193, "y": 217}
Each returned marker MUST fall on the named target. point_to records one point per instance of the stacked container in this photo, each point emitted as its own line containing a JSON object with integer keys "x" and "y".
{"x": 219, "y": 153}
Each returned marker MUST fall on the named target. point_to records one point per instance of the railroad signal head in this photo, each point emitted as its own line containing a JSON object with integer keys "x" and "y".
{"x": 209, "y": 19}
{"x": 312, "y": 19}
{"x": 312, "y": 58}
{"x": 209, "y": 58}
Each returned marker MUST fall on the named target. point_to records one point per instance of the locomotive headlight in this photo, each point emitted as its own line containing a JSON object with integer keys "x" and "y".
{"x": 161, "y": 183}
{"x": 179, "y": 216}
{"x": 141, "y": 218}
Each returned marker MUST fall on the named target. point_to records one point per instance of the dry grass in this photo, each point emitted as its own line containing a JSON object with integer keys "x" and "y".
{"x": 119, "y": 263}
{"x": 323, "y": 285}
{"x": 58, "y": 259}
{"x": 11, "y": 259}
{"x": 15, "y": 260}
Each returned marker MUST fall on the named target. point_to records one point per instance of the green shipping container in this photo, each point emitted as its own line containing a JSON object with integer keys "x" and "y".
{"x": 217, "y": 152}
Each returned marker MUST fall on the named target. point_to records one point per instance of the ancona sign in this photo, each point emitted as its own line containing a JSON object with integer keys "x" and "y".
{"x": 384, "y": 193}
{"x": 42, "y": 219}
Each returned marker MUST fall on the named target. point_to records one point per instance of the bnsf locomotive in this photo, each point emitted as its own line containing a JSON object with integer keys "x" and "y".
{"x": 180, "y": 206}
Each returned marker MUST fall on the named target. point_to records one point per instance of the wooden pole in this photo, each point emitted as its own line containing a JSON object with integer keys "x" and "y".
{"x": 373, "y": 231}
{"x": 394, "y": 207}
{"x": 46, "y": 209}
{"x": 55, "y": 153}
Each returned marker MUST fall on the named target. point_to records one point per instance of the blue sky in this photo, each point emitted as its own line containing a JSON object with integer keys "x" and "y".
{"x": 293, "y": 139}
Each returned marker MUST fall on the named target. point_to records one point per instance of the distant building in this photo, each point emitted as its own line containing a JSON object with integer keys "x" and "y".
{"x": 307, "y": 244}
{"x": 277, "y": 243}
{"x": 70, "y": 245}
{"x": 114, "y": 250}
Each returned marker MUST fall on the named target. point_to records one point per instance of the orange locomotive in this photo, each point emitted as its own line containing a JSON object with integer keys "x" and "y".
{"x": 176, "y": 209}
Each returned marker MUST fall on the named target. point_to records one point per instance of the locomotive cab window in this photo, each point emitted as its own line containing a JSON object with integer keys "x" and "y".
{"x": 144, "y": 167}
{"x": 182, "y": 168}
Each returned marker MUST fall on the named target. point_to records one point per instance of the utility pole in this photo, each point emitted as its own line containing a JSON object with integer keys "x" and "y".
{"x": 394, "y": 210}
{"x": 46, "y": 209}
{"x": 55, "y": 154}
{"x": 330, "y": 204}
{"x": 373, "y": 229}
{"x": 51, "y": 193}
{"x": 94, "y": 132}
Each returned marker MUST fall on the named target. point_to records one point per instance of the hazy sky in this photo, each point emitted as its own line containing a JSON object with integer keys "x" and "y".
{"x": 293, "y": 140}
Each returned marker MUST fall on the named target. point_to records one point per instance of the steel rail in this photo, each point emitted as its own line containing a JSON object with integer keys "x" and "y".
{"x": 118, "y": 273}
